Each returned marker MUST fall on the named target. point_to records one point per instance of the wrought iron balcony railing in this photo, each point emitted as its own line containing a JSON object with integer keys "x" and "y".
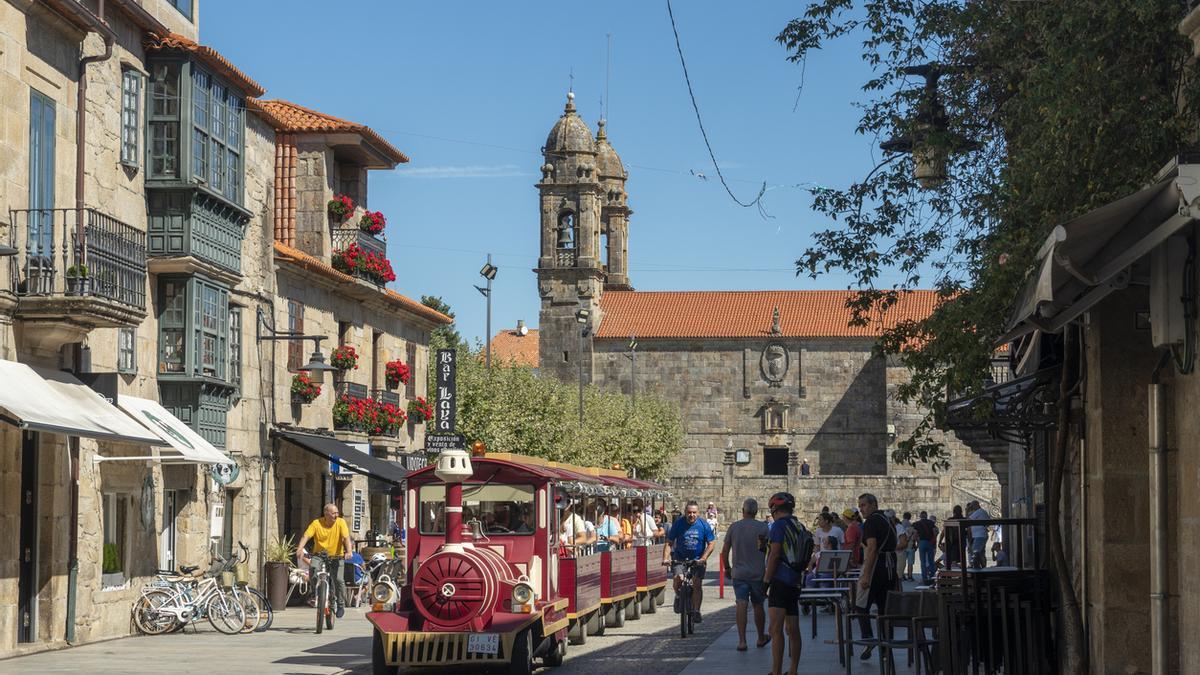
{"x": 387, "y": 396}
{"x": 342, "y": 237}
{"x": 109, "y": 261}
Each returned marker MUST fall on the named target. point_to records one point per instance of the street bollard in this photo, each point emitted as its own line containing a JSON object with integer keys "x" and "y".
{"x": 721, "y": 577}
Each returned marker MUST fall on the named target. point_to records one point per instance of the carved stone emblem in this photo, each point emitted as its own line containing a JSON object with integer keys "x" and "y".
{"x": 775, "y": 363}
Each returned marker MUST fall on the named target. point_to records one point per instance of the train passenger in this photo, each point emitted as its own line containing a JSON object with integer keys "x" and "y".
{"x": 573, "y": 532}
{"x": 645, "y": 528}
{"x": 690, "y": 538}
{"x": 525, "y": 524}
{"x": 608, "y": 528}
{"x": 627, "y": 527}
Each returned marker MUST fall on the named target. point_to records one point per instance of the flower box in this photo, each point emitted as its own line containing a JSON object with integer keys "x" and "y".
{"x": 364, "y": 264}
{"x": 367, "y": 415}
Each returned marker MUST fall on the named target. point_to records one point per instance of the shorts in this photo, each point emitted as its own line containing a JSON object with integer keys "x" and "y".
{"x": 753, "y": 591}
{"x": 784, "y": 596}
{"x": 697, "y": 570}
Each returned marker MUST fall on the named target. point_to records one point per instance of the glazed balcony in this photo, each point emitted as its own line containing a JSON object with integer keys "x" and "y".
{"x": 77, "y": 267}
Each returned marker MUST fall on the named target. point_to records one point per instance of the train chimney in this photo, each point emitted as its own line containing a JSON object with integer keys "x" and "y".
{"x": 453, "y": 467}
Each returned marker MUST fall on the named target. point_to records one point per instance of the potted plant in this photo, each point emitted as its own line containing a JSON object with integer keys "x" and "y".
{"x": 279, "y": 559}
{"x": 419, "y": 410}
{"x": 110, "y": 567}
{"x": 396, "y": 373}
{"x": 389, "y": 420}
{"x": 77, "y": 280}
{"x": 344, "y": 358}
{"x": 372, "y": 222}
{"x": 340, "y": 208}
{"x": 304, "y": 390}
{"x": 365, "y": 264}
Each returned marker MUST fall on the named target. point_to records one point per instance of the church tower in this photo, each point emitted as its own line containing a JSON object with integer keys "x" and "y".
{"x": 571, "y": 269}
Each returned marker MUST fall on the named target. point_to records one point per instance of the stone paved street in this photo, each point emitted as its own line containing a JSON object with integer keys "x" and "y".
{"x": 651, "y": 644}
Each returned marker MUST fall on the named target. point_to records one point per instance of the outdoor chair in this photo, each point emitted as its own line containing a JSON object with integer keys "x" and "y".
{"x": 852, "y": 616}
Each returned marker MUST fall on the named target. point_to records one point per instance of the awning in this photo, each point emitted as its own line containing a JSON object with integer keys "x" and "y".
{"x": 40, "y": 399}
{"x": 347, "y": 457}
{"x": 186, "y": 445}
{"x": 1085, "y": 259}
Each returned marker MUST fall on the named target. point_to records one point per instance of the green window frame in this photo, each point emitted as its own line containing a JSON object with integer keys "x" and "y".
{"x": 218, "y": 129}
{"x": 172, "y": 326}
{"x": 194, "y": 325}
{"x": 163, "y": 119}
{"x": 127, "y": 351}
{"x": 235, "y": 346}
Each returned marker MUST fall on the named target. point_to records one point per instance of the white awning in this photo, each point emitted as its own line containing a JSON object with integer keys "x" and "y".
{"x": 188, "y": 446}
{"x": 40, "y": 399}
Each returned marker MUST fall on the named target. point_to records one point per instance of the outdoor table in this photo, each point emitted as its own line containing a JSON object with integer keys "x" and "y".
{"x": 815, "y": 598}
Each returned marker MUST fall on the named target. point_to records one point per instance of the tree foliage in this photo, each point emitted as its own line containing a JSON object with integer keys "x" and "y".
{"x": 1051, "y": 109}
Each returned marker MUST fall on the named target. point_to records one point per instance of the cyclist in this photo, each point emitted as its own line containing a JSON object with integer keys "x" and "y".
{"x": 690, "y": 538}
{"x": 789, "y": 553}
{"x": 330, "y": 535}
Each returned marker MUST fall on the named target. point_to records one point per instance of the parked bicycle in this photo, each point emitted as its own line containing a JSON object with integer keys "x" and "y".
{"x": 175, "y": 599}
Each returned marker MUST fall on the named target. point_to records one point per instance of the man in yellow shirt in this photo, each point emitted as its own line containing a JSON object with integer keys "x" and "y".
{"x": 329, "y": 534}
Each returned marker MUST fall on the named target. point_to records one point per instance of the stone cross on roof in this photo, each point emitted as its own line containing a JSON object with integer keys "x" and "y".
{"x": 776, "y": 329}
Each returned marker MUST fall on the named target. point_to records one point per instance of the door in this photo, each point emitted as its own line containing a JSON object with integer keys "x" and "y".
{"x": 168, "y": 535}
{"x": 41, "y": 176}
{"x": 27, "y": 582}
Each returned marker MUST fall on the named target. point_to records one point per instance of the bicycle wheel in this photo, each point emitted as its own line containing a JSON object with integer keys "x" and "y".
{"x": 225, "y": 613}
{"x": 266, "y": 613}
{"x": 322, "y": 595}
{"x": 251, "y": 609}
{"x": 148, "y": 613}
{"x": 685, "y": 610}
{"x": 329, "y": 606}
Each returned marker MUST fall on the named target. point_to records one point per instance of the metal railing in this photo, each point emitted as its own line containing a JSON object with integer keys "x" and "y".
{"x": 351, "y": 389}
{"x": 387, "y": 396}
{"x": 342, "y": 237}
{"x": 109, "y": 263}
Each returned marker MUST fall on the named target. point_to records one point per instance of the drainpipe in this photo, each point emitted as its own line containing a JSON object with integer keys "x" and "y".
{"x": 1158, "y": 523}
{"x": 80, "y": 168}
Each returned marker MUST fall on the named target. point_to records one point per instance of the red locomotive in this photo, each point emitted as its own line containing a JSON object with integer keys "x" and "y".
{"x": 494, "y": 581}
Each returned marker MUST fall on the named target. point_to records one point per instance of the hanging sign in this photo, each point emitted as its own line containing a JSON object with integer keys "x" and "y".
{"x": 224, "y": 474}
{"x": 446, "y": 391}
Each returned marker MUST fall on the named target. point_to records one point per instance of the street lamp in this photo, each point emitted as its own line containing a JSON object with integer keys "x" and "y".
{"x": 488, "y": 271}
{"x": 929, "y": 141}
{"x": 581, "y": 317}
{"x": 316, "y": 366}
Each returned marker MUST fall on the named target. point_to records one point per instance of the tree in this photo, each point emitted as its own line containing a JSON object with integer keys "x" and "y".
{"x": 447, "y": 337}
{"x": 1046, "y": 111}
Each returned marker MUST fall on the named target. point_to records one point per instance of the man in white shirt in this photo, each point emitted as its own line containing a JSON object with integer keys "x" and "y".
{"x": 573, "y": 531}
{"x": 979, "y": 534}
{"x": 644, "y": 527}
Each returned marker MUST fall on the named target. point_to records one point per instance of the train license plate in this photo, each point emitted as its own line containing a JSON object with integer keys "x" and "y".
{"x": 483, "y": 643}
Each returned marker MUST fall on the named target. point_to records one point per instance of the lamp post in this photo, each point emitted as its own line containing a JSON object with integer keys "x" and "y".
{"x": 632, "y": 356}
{"x": 581, "y": 316}
{"x": 929, "y": 139}
{"x": 316, "y": 363}
{"x": 488, "y": 272}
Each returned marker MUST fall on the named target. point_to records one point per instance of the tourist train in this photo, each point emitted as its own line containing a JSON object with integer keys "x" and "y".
{"x": 490, "y": 581}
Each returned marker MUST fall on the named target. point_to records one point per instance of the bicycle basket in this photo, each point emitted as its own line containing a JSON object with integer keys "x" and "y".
{"x": 243, "y": 573}
{"x": 227, "y": 579}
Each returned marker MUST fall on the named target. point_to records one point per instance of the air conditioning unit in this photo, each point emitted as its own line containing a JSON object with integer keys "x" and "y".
{"x": 1168, "y": 326}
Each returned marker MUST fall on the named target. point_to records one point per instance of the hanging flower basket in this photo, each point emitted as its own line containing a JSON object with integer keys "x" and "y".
{"x": 304, "y": 390}
{"x": 340, "y": 208}
{"x": 397, "y": 373}
{"x": 372, "y": 222}
{"x": 344, "y": 358}
{"x": 419, "y": 411}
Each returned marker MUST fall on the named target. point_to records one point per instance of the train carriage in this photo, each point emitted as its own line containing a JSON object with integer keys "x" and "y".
{"x": 490, "y": 582}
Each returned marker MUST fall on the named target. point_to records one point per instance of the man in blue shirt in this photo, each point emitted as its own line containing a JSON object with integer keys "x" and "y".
{"x": 690, "y": 538}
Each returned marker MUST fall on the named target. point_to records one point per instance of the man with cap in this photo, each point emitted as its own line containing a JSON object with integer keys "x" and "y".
{"x": 853, "y": 536}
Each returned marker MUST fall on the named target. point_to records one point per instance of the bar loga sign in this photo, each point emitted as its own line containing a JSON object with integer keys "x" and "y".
{"x": 446, "y": 392}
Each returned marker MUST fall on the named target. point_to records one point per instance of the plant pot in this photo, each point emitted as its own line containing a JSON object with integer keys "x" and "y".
{"x": 78, "y": 285}
{"x": 276, "y": 574}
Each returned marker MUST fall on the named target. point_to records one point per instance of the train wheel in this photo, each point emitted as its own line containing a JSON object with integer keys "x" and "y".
{"x": 660, "y": 597}
{"x": 649, "y": 606}
{"x": 615, "y": 616}
{"x": 577, "y": 632}
{"x": 634, "y": 608}
{"x": 522, "y": 654}
{"x": 554, "y": 658}
{"x": 379, "y": 664}
{"x": 595, "y": 623}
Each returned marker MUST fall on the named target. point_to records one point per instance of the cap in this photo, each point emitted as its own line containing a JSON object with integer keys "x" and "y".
{"x": 848, "y": 513}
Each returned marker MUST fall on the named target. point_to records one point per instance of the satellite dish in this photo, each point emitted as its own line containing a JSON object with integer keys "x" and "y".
{"x": 523, "y": 330}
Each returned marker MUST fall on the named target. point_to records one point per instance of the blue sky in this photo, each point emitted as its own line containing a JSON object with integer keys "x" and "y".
{"x": 470, "y": 90}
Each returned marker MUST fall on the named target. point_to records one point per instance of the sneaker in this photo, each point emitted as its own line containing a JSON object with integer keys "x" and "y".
{"x": 340, "y": 612}
{"x": 678, "y": 604}
{"x": 866, "y": 655}
{"x": 696, "y": 617}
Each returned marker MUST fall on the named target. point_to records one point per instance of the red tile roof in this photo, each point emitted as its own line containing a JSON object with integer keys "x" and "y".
{"x": 211, "y": 57}
{"x": 302, "y": 259}
{"x": 289, "y": 117}
{"x": 743, "y": 314}
{"x": 509, "y": 346}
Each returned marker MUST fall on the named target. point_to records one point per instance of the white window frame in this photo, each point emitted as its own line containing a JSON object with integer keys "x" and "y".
{"x": 131, "y": 117}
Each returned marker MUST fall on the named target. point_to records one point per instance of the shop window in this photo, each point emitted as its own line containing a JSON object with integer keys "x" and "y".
{"x": 295, "y": 325}
{"x": 131, "y": 117}
{"x": 127, "y": 351}
{"x": 115, "y": 507}
{"x": 775, "y": 461}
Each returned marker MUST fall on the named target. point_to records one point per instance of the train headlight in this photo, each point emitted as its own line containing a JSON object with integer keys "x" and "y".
{"x": 522, "y": 594}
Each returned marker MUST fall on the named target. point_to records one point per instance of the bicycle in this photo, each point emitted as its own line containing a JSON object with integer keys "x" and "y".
{"x": 171, "y": 602}
{"x": 685, "y": 575}
{"x": 323, "y": 589}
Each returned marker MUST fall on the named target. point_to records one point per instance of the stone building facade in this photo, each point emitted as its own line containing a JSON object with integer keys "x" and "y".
{"x": 765, "y": 380}
{"x": 186, "y": 199}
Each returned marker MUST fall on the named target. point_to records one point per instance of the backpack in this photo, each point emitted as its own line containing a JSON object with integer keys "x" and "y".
{"x": 797, "y": 546}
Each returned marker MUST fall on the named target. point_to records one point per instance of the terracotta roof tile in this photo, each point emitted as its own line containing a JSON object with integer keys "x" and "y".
{"x": 289, "y": 117}
{"x": 211, "y": 57}
{"x": 298, "y": 257}
{"x": 742, "y": 314}
{"x": 510, "y": 346}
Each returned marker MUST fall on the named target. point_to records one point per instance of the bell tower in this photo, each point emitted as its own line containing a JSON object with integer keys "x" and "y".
{"x": 571, "y": 268}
